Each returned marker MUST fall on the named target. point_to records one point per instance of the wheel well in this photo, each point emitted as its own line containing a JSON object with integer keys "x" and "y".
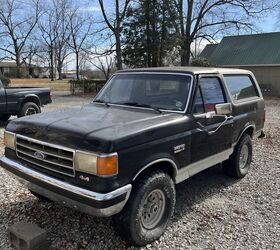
{"x": 249, "y": 131}
{"x": 30, "y": 99}
{"x": 165, "y": 166}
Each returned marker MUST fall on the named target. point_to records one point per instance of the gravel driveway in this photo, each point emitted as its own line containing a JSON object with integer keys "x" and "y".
{"x": 212, "y": 211}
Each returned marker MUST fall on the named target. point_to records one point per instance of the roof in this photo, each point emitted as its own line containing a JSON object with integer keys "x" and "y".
{"x": 190, "y": 70}
{"x": 256, "y": 49}
{"x": 7, "y": 64}
{"x": 208, "y": 50}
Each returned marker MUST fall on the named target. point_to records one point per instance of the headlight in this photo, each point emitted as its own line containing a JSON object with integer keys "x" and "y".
{"x": 10, "y": 140}
{"x": 106, "y": 165}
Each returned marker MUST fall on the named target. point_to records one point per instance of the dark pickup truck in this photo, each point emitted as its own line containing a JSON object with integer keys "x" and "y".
{"x": 146, "y": 131}
{"x": 22, "y": 101}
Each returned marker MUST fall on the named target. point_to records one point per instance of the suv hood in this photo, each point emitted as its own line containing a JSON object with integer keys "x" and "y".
{"x": 97, "y": 127}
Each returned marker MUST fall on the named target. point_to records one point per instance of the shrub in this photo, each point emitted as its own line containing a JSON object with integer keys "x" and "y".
{"x": 201, "y": 62}
{"x": 5, "y": 81}
{"x": 86, "y": 85}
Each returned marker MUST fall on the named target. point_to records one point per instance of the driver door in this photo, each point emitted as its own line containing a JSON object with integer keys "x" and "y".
{"x": 210, "y": 92}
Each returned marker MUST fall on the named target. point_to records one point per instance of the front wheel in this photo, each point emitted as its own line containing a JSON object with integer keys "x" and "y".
{"x": 29, "y": 108}
{"x": 238, "y": 164}
{"x": 149, "y": 209}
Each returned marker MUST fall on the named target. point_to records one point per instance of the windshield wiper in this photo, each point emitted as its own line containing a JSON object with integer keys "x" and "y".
{"x": 100, "y": 101}
{"x": 137, "y": 104}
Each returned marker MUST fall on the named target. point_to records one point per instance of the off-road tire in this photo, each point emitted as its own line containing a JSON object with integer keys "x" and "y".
{"x": 232, "y": 166}
{"x": 129, "y": 223}
{"x": 29, "y": 106}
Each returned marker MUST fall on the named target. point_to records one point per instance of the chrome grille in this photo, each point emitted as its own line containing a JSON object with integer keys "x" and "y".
{"x": 55, "y": 158}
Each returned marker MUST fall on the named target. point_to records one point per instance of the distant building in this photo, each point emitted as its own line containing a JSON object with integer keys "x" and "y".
{"x": 259, "y": 53}
{"x": 86, "y": 74}
{"x": 71, "y": 74}
{"x": 10, "y": 69}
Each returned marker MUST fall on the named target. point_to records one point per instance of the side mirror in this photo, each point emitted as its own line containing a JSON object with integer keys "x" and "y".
{"x": 223, "y": 109}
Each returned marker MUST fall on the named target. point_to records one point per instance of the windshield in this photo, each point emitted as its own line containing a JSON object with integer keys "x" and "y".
{"x": 161, "y": 91}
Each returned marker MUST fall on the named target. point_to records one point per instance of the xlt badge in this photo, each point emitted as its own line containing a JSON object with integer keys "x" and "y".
{"x": 179, "y": 148}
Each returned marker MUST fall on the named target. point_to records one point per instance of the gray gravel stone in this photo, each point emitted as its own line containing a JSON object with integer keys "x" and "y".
{"x": 212, "y": 211}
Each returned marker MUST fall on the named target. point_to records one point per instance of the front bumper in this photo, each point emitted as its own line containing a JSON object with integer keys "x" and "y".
{"x": 97, "y": 204}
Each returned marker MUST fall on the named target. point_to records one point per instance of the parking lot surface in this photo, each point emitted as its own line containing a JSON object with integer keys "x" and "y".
{"x": 212, "y": 212}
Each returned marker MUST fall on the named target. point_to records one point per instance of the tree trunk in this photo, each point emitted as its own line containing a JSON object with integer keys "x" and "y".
{"x": 162, "y": 37}
{"x": 118, "y": 37}
{"x": 148, "y": 41}
{"x": 59, "y": 70}
{"x": 118, "y": 51}
{"x": 51, "y": 64}
{"x": 185, "y": 53}
{"x": 18, "y": 70}
{"x": 154, "y": 36}
{"x": 77, "y": 66}
{"x": 186, "y": 33}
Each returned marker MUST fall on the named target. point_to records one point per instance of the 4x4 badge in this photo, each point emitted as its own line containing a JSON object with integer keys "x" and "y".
{"x": 84, "y": 178}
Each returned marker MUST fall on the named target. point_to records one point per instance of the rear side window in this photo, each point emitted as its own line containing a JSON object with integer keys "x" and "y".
{"x": 240, "y": 87}
{"x": 212, "y": 92}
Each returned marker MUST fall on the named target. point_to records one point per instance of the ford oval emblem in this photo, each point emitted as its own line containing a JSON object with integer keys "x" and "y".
{"x": 39, "y": 155}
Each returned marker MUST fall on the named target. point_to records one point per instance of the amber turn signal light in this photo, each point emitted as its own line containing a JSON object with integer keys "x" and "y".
{"x": 107, "y": 166}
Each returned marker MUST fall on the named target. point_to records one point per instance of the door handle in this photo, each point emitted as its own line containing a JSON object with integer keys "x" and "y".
{"x": 222, "y": 123}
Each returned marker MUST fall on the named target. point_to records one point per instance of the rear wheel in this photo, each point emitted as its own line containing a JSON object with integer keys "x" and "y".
{"x": 29, "y": 108}
{"x": 4, "y": 118}
{"x": 149, "y": 209}
{"x": 238, "y": 164}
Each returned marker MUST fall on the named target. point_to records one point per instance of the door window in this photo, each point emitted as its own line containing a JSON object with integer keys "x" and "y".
{"x": 212, "y": 92}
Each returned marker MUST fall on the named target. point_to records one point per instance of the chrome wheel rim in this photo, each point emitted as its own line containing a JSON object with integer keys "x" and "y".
{"x": 244, "y": 154}
{"x": 30, "y": 111}
{"x": 153, "y": 209}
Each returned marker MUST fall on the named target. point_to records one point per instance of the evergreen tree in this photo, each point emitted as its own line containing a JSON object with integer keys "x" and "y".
{"x": 148, "y": 34}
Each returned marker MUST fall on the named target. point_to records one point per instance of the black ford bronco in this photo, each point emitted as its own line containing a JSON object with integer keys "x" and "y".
{"x": 147, "y": 130}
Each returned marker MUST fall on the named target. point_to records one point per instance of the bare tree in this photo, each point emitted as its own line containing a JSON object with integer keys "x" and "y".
{"x": 105, "y": 64}
{"x": 48, "y": 25}
{"x": 115, "y": 25}
{"x": 29, "y": 54}
{"x": 16, "y": 27}
{"x": 80, "y": 33}
{"x": 62, "y": 33}
{"x": 207, "y": 18}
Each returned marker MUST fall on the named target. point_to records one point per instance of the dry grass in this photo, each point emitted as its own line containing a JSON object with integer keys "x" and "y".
{"x": 57, "y": 85}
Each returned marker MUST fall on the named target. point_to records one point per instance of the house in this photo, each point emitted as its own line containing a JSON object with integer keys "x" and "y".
{"x": 10, "y": 69}
{"x": 71, "y": 74}
{"x": 259, "y": 53}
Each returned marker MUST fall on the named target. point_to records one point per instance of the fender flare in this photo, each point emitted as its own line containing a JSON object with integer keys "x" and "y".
{"x": 247, "y": 126}
{"x": 160, "y": 160}
{"x": 32, "y": 97}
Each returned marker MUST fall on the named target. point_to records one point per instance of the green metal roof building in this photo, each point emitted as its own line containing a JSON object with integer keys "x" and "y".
{"x": 259, "y": 53}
